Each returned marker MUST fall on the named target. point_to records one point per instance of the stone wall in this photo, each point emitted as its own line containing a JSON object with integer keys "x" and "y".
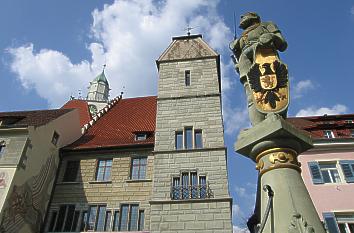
{"x": 198, "y": 112}
{"x": 204, "y": 78}
{"x": 196, "y": 106}
{"x": 191, "y": 216}
{"x": 211, "y": 163}
{"x": 120, "y": 190}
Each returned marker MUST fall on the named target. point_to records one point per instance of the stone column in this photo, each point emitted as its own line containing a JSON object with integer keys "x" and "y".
{"x": 274, "y": 145}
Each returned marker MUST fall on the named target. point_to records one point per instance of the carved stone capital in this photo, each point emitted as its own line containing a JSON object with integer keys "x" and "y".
{"x": 276, "y": 158}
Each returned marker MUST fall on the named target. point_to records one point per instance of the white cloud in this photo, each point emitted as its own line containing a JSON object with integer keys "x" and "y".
{"x": 128, "y": 36}
{"x": 240, "y": 191}
{"x": 237, "y": 229}
{"x": 236, "y": 211}
{"x": 312, "y": 111}
{"x": 302, "y": 87}
{"x": 49, "y": 72}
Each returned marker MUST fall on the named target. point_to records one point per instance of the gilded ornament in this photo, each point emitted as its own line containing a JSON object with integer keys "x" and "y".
{"x": 260, "y": 165}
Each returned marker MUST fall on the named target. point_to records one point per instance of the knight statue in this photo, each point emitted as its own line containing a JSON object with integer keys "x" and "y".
{"x": 263, "y": 75}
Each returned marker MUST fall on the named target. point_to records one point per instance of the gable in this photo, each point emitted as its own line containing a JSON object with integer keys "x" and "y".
{"x": 187, "y": 47}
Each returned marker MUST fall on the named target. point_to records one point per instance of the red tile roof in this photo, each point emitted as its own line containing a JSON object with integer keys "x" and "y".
{"x": 315, "y": 125}
{"x": 30, "y": 118}
{"x": 82, "y": 106}
{"x": 118, "y": 126}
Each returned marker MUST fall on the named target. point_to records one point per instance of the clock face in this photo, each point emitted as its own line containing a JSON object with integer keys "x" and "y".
{"x": 93, "y": 109}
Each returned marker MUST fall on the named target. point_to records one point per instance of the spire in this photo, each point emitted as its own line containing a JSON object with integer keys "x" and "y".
{"x": 99, "y": 88}
{"x": 102, "y": 77}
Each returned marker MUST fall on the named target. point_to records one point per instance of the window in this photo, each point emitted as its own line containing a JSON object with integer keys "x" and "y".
{"x": 189, "y": 139}
{"x": 2, "y": 148}
{"x": 345, "y": 223}
{"x": 107, "y": 225}
{"x": 179, "y": 140}
{"x": 187, "y": 77}
{"x": 198, "y": 140}
{"x": 189, "y": 186}
{"x": 349, "y": 121}
{"x": 141, "y": 220}
{"x": 66, "y": 220}
{"x": 352, "y": 133}
{"x": 84, "y": 219}
{"x": 95, "y": 220}
{"x": 140, "y": 136}
{"x": 328, "y": 134}
{"x": 339, "y": 223}
{"x": 138, "y": 168}
{"x": 348, "y": 170}
{"x": 330, "y": 172}
{"x": 55, "y": 138}
{"x": 104, "y": 170}
{"x": 131, "y": 219}
{"x": 72, "y": 167}
{"x": 53, "y": 219}
{"x": 116, "y": 221}
{"x": 324, "y": 172}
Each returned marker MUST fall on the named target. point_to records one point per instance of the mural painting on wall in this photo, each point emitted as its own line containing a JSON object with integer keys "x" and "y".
{"x": 3, "y": 179}
{"x": 26, "y": 203}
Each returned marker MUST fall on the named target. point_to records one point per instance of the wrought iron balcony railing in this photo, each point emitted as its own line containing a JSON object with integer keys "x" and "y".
{"x": 182, "y": 192}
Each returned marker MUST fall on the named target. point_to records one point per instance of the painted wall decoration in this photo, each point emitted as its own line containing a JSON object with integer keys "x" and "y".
{"x": 3, "y": 179}
{"x": 26, "y": 203}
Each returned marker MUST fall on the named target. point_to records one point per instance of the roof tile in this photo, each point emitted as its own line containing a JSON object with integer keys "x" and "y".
{"x": 118, "y": 126}
{"x": 82, "y": 106}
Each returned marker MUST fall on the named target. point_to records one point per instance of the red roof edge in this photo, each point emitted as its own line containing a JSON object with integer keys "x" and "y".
{"x": 82, "y": 107}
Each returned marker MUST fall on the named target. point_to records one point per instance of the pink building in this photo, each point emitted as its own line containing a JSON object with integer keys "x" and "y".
{"x": 328, "y": 169}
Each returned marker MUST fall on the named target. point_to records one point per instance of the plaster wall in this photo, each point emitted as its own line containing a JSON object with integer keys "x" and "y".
{"x": 32, "y": 181}
{"x": 15, "y": 140}
{"x": 335, "y": 197}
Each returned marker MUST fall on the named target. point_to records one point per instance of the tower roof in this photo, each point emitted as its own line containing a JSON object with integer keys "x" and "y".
{"x": 187, "y": 47}
{"x": 101, "y": 78}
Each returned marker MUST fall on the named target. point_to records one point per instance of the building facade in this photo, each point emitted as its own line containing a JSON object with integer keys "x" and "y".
{"x": 151, "y": 164}
{"x": 328, "y": 169}
{"x": 29, "y": 158}
{"x": 190, "y": 188}
{"x": 105, "y": 179}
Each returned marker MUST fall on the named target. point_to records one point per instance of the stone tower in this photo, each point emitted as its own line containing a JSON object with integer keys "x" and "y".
{"x": 190, "y": 186}
{"x": 97, "y": 96}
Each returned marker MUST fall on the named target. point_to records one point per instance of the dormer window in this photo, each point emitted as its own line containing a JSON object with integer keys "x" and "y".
{"x": 328, "y": 134}
{"x": 140, "y": 136}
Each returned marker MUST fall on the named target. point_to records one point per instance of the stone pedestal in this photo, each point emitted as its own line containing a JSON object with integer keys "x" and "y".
{"x": 274, "y": 145}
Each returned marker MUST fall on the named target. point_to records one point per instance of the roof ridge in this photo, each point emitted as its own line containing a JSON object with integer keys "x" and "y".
{"x": 100, "y": 113}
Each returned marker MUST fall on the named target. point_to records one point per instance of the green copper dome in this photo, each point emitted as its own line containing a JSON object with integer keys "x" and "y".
{"x": 101, "y": 78}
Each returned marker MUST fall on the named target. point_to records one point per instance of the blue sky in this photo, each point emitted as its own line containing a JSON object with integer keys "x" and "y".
{"x": 51, "y": 49}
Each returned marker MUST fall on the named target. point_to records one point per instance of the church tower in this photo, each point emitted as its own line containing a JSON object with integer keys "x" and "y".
{"x": 97, "y": 96}
{"x": 190, "y": 186}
